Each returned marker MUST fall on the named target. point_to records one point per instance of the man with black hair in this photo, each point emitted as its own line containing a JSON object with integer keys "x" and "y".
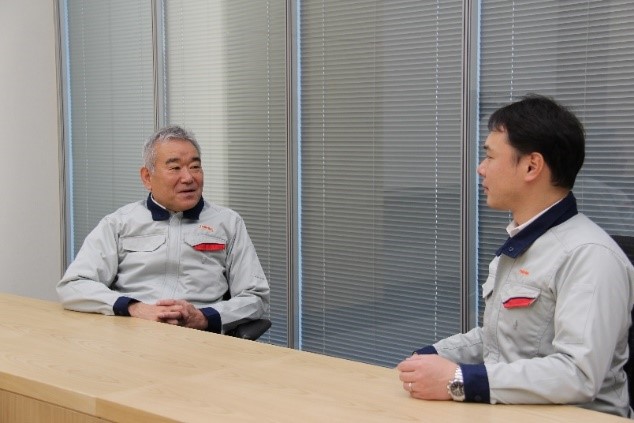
{"x": 559, "y": 292}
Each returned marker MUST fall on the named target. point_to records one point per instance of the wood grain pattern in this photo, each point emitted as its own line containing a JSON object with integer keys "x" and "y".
{"x": 20, "y": 409}
{"x": 80, "y": 367}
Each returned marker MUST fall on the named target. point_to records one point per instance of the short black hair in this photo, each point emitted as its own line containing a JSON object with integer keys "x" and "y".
{"x": 537, "y": 123}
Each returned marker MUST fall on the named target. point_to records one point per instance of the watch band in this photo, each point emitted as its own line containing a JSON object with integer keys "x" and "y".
{"x": 455, "y": 387}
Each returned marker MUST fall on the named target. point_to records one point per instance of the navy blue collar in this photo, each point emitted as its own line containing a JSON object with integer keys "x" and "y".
{"x": 557, "y": 214}
{"x": 159, "y": 213}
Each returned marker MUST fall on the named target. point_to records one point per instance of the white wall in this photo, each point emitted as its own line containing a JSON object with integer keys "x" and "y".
{"x": 30, "y": 222}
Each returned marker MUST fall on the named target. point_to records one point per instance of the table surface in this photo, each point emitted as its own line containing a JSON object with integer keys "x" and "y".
{"x": 126, "y": 369}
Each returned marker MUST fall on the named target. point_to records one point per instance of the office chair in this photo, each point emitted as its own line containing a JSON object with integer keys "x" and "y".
{"x": 250, "y": 330}
{"x": 627, "y": 245}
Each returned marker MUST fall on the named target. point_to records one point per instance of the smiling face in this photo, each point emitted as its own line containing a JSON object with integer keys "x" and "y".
{"x": 176, "y": 182}
{"x": 501, "y": 172}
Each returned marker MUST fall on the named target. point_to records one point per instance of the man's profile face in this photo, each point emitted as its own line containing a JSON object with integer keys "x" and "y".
{"x": 500, "y": 172}
{"x": 177, "y": 179}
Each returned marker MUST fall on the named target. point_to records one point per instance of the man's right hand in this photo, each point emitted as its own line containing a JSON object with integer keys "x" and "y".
{"x": 174, "y": 312}
{"x": 156, "y": 313}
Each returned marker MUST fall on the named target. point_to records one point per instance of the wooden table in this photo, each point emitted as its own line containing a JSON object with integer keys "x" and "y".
{"x": 63, "y": 366}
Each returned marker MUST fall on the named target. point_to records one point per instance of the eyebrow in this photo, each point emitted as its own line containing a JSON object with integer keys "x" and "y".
{"x": 177, "y": 160}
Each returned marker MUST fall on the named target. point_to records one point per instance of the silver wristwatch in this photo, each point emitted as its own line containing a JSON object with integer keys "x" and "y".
{"x": 455, "y": 387}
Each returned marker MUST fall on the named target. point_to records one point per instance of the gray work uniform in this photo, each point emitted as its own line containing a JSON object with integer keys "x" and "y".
{"x": 557, "y": 313}
{"x": 142, "y": 252}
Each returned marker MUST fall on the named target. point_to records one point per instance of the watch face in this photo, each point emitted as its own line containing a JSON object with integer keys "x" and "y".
{"x": 457, "y": 390}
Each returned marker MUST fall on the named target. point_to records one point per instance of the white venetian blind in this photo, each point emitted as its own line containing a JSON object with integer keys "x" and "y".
{"x": 226, "y": 81}
{"x": 381, "y": 173}
{"x": 582, "y": 54}
{"x": 111, "y": 105}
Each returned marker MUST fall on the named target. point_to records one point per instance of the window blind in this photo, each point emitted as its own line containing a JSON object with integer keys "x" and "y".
{"x": 225, "y": 80}
{"x": 109, "y": 62}
{"x": 380, "y": 176}
{"x": 582, "y": 54}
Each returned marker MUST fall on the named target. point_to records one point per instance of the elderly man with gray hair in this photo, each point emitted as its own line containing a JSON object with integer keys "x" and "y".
{"x": 172, "y": 257}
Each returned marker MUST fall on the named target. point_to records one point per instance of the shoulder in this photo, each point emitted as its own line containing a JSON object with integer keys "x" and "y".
{"x": 129, "y": 213}
{"x": 581, "y": 234}
{"x": 215, "y": 211}
{"x": 222, "y": 220}
{"x": 127, "y": 210}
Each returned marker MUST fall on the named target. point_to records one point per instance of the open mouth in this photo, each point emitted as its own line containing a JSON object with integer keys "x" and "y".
{"x": 187, "y": 191}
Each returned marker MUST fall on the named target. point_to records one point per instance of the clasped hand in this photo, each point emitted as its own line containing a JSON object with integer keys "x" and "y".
{"x": 426, "y": 376}
{"x": 174, "y": 312}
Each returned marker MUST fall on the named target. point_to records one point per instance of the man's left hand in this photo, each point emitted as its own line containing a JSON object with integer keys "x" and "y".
{"x": 427, "y": 376}
{"x": 182, "y": 313}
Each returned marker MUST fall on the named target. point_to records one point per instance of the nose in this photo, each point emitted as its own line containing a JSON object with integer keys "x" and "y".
{"x": 480, "y": 169}
{"x": 186, "y": 176}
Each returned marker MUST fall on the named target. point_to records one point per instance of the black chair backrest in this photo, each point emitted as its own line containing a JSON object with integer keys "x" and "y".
{"x": 627, "y": 245}
{"x": 251, "y": 329}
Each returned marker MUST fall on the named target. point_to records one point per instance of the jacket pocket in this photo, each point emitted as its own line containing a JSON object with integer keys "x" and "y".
{"x": 525, "y": 316}
{"x": 143, "y": 243}
{"x": 205, "y": 242}
{"x": 520, "y": 296}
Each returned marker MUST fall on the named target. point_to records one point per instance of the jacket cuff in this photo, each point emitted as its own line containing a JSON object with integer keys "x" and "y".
{"x": 476, "y": 383}
{"x": 120, "y": 307}
{"x": 214, "y": 322}
{"x": 429, "y": 349}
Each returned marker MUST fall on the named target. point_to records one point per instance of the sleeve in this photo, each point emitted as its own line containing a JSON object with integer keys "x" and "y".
{"x": 86, "y": 283}
{"x": 591, "y": 320}
{"x": 214, "y": 322}
{"x": 465, "y": 348}
{"x": 249, "y": 288}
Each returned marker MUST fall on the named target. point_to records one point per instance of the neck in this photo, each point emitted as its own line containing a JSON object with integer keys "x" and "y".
{"x": 160, "y": 205}
{"x": 534, "y": 204}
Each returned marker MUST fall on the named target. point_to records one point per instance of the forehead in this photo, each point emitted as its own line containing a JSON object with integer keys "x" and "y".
{"x": 496, "y": 141}
{"x": 176, "y": 149}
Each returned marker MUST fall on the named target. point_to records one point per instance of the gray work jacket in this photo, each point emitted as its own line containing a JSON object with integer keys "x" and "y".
{"x": 144, "y": 253}
{"x": 555, "y": 325}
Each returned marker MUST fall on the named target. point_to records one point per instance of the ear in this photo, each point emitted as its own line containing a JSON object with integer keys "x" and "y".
{"x": 535, "y": 165}
{"x": 146, "y": 178}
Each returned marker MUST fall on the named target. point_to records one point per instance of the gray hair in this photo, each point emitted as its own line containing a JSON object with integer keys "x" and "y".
{"x": 172, "y": 132}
